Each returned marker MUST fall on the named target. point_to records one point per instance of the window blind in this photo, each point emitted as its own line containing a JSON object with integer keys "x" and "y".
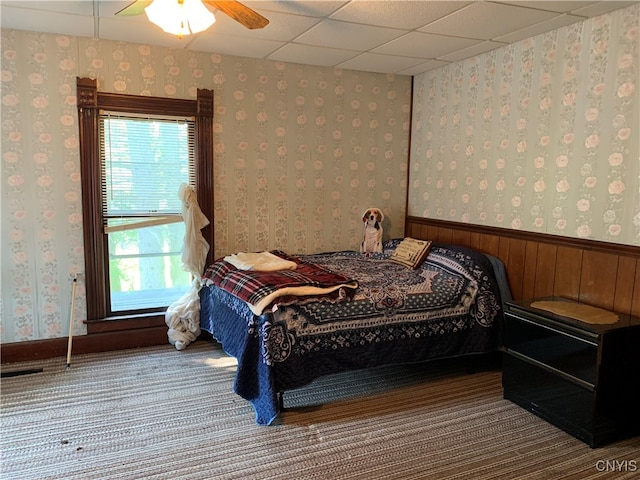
{"x": 143, "y": 162}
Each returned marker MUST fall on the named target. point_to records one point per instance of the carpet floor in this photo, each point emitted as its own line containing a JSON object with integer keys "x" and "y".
{"x": 158, "y": 413}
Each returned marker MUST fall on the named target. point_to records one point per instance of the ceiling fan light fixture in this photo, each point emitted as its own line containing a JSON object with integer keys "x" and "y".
{"x": 180, "y": 17}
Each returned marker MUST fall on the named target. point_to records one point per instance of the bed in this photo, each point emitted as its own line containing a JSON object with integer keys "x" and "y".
{"x": 378, "y": 313}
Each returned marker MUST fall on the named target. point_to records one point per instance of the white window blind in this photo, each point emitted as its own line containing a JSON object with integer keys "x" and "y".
{"x": 143, "y": 162}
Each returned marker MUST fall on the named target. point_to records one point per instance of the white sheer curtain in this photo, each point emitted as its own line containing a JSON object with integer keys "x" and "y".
{"x": 183, "y": 316}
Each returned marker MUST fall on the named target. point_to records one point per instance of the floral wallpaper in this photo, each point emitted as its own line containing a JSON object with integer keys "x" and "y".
{"x": 542, "y": 135}
{"x": 300, "y": 153}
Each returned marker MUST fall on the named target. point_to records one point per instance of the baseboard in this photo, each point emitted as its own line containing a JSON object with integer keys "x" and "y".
{"x": 94, "y": 343}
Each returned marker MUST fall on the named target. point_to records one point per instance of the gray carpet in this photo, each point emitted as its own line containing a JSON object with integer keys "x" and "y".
{"x": 156, "y": 413}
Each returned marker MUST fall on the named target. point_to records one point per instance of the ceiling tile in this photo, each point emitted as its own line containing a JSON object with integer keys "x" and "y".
{"x": 485, "y": 21}
{"x": 424, "y": 45}
{"x": 107, "y": 8}
{"x": 281, "y": 27}
{"x": 423, "y": 67}
{"x": 599, "y": 8}
{"x": 477, "y": 49}
{"x": 42, "y": 21}
{"x": 70, "y": 7}
{"x": 330, "y": 33}
{"x": 380, "y": 63}
{"x": 314, "y": 8}
{"x": 232, "y": 45}
{"x": 546, "y": 26}
{"x": 552, "y": 6}
{"x": 309, "y": 55}
{"x": 406, "y": 15}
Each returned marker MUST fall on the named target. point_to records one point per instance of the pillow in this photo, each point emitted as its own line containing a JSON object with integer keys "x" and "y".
{"x": 411, "y": 252}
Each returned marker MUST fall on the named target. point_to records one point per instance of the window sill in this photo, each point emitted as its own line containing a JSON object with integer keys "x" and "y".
{"x": 129, "y": 322}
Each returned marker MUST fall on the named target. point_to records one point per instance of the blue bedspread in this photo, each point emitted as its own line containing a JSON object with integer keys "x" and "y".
{"x": 449, "y": 306}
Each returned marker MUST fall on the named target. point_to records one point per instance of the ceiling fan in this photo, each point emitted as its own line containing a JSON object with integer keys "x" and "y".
{"x": 236, "y": 10}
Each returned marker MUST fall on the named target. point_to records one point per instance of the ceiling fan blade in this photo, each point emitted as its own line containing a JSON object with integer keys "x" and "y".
{"x": 240, "y": 13}
{"x": 134, "y": 8}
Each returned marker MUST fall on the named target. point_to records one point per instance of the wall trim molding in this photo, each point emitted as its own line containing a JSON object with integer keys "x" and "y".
{"x": 95, "y": 343}
{"x": 559, "y": 240}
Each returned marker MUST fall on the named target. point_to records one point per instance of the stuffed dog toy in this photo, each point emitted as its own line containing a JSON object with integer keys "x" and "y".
{"x": 372, "y": 241}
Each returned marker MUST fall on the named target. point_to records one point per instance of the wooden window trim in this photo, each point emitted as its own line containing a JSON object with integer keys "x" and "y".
{"x": 90, "y": 102}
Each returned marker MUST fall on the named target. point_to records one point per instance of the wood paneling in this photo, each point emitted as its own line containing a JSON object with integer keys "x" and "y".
{"x": 530, "y": 269}
{"x": 545, "y": 270}
{"x": 598, "y": 278}
{"x": 602, "y": 274}
{"x": 635, "y": 301}
{"x": 567, "y": 283}
{"x": 624, "y": 284}
{"x": 517, "y": 255}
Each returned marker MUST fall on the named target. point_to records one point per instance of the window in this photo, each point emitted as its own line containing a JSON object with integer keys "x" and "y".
{"x": 135, "y": 153}
{"x": 143, "y": 162}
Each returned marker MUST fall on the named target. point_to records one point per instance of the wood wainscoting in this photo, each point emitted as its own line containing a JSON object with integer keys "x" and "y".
{"x": 601, "y": 274}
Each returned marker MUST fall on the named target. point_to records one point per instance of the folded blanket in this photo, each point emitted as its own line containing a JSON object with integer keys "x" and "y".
{"x": 260, "y": 289}
{"x": 259, "y": 262}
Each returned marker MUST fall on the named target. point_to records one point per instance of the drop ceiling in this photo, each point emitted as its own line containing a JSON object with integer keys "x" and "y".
{"x": 386, "y": 36}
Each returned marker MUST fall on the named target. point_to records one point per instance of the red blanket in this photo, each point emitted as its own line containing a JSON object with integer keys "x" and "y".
{"x": 260, "y": 289}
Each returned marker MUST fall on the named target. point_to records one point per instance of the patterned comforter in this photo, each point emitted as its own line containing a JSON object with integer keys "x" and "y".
{"x": 449, "y": 306}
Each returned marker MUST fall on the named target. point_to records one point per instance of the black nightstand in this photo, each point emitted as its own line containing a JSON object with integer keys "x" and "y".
{"x": 583, "y": 378}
